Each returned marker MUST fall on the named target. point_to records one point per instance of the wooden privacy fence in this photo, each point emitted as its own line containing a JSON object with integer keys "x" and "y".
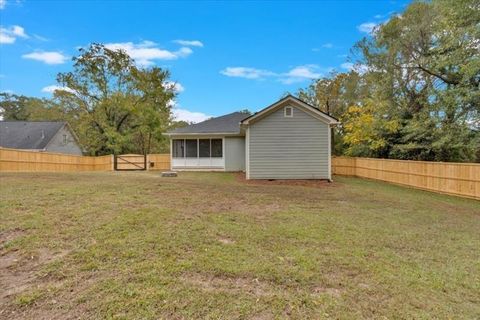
{"x": 13, "y": 160}
{"x": 31, "y": 161}
{"x": 158, "y": 162}
{"x": 460, "y": 179}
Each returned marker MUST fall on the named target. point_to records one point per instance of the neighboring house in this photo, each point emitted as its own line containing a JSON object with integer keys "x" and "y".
{"x": 39, "y": 136}
{"x": 289, "y": 139}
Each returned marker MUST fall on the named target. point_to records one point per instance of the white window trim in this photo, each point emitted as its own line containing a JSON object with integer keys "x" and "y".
{"x": 285, "y": 112}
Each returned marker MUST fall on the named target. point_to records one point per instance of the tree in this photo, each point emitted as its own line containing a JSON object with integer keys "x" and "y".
{"x": 418, "y": 93}
{"x": 23, "y": 108}
{"x": 333, "y": 95}
{"x": 118, "y": 107}
{"x": 425, "y": 64}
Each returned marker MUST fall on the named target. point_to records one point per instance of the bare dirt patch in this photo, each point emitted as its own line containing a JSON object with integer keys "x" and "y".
{"x": 9, "y": 235}
{"x": 334, "y": 292}
{"x": 225, "y": 240}
{"x": 264, "y": 315}
{"x": 212, "y": 283}
{"x": 56, "y": 305}
{"x": 290, "y": 182}
{"x": 19, "y": 272}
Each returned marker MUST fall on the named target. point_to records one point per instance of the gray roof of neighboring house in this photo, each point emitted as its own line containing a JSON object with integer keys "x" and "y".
{"x": 27, "y": 134}
{"x": 229, "y": 123}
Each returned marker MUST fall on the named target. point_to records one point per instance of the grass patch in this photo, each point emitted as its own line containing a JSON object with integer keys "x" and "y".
{"x": 207, "y": 245}
{"x": 28, "y": 299}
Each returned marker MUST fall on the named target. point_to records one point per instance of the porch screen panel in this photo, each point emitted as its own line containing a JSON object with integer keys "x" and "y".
{"x": 192, "y": 148}
{"x": 204, "y": 148}
{"x": 217, "y": 148}
{"x": 178, "y": 148}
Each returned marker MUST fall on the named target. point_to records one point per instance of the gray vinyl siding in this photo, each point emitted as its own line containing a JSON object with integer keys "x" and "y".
{"x": 234, "y": 153}
{"x": 289, "y": 148}
{"x": 57, "y": 144}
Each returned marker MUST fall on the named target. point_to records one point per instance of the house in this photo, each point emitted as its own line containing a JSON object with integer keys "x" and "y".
{"x": 39, "y": 136}
{"x": 289, "y": 139}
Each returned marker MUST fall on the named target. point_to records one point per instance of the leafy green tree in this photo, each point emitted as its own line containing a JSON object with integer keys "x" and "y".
{"x": 118, "y": 106}
{"x": 425, "y": 66}
{"x": 333, "y": 95}
{"x": 23, "y": 108}
{"x": 418, "y": 95}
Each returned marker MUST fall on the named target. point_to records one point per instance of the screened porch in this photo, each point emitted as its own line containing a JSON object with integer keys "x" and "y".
{"x": 200, "y": 153}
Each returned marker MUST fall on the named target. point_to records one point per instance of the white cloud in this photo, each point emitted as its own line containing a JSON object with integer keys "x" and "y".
{"x": 246, "y": 72}
{"x": 5, "y": 38}
{"x": 347, "y": 65}
{"x": 175, "y": 86}
{"x": 9, "y": 35}
{"x": 367, "y": 27}
{"x": 48, "y": 57}
{"x": 19, "y": 31}
{"x": 189, "y": 43}
{"x": 304, "y": 72}
{"x": 3, "y": 3}
{"x": 189, "y": 116}
{"x": 146, "y": 52}
{"x": 301, "y": 73}
{"x": 183, "y": 52}
{"x": 52, "y": 88}
{"x": 360, "y": 68}
{"x": 296, "y": 74}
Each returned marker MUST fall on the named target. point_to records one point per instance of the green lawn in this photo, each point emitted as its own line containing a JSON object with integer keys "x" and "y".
{"x": 211, "y": 246}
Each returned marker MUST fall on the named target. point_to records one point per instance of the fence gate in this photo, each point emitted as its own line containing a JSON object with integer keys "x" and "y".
{"x": 129, "y": 162}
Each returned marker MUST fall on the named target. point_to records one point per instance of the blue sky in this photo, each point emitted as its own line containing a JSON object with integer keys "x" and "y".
{"x": 224, "y": 56}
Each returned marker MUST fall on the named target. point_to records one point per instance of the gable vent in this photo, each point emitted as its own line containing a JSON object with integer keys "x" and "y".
{"x": 288, "y": 112}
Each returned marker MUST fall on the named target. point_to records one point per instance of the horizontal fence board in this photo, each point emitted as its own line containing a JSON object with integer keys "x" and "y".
{"x": 459, "y": 179}
{"x": 13, "y": 160}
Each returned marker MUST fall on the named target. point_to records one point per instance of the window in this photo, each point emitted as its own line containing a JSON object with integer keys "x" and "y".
{"x": 204, "y": 148}
{"x": 192, "y": 148}
{"x": 217, "y": 148}
{"x": 64, "y": 139}
{"x": 178, "y": 148}
{"x": 288, "y": 112}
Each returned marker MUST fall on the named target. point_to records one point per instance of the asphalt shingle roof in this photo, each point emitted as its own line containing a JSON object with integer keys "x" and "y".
{"x": 27, "y": 134}
{"x": 229, "y": 123}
